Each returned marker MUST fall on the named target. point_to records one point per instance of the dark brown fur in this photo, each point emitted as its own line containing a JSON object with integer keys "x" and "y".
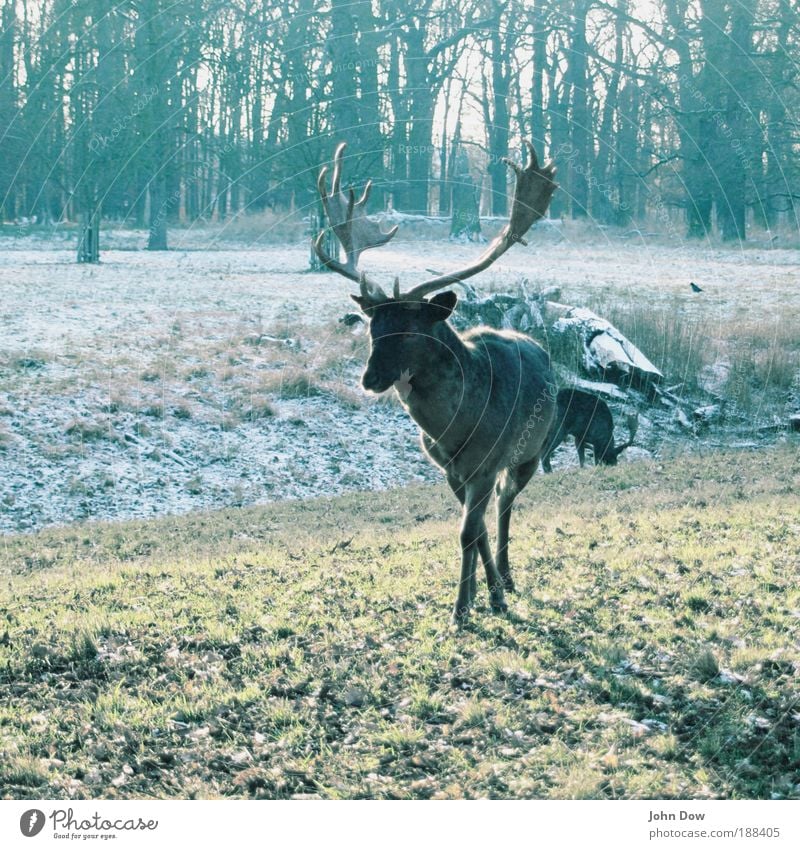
{"x": 587, "y": 418}
{"x": 484, "y": 401}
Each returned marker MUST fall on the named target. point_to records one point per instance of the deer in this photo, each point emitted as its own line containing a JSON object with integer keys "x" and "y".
{"x": 588, "y": 419}
{"x": 484, "y": 400}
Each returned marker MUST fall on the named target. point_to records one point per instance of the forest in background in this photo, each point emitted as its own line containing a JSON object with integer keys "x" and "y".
{"x": 160, "y": 112}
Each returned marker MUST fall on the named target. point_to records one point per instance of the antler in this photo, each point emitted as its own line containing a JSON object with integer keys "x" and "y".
{"x": 533, "y": 189}
{"x": 532, "y": 193}
{"x": 348, "y": 220}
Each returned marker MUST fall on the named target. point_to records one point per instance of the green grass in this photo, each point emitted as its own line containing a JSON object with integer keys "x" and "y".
{"x": 304, "y": 648}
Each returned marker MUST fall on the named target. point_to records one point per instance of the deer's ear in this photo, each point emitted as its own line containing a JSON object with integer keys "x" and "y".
{"x": 446, "y": 303}
{"x": 366, "y": 305}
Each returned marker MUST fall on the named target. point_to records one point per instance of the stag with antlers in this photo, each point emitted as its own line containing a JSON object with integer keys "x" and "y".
{"x": 484, "y": 400}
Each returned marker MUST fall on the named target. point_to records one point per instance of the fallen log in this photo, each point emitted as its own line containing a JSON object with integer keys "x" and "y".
{"x": 165, "y": 452}
{"x": 604, "y": 390}
{"x": 522, "y": 312}
{"x": 604, "y": 351}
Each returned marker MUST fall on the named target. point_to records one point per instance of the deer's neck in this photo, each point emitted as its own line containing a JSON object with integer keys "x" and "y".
{"x": 437, "y": 400}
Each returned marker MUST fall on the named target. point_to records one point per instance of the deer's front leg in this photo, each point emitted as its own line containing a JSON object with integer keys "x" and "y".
{"x": 473, "y": 580}
{"x": 475, "y": 539}
{"x": 461, "y": 494}
{"x": 471, "y": 584}
{"x": 496, "y": 595}
{"x": 465, "y": 595}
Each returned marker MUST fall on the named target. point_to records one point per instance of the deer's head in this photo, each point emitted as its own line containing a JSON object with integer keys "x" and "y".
{"x": 403, "y": 326}
{"x": 611, "y": 454}
{"x": 402, "y": 336}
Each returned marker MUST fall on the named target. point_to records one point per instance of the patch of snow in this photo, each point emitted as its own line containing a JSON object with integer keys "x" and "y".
{"x": 71, "y": 335}
{"x": 608, "y": 346}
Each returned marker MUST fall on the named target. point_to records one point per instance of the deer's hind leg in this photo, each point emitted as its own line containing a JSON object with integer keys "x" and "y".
{"x": 553, "y": 441}
{"x": 508, "y": 487}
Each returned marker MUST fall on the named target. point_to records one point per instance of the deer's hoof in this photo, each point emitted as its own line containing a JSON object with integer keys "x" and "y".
{"x": 508, "y": 585}
{"x": 459, "y": 617}
{"x": 499, "y": 605}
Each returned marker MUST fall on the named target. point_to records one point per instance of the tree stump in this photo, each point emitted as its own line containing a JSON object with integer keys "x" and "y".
{"x": 89, "y": 242}
{"x": 160, "y": 206}
{"x": 522, "y": 312}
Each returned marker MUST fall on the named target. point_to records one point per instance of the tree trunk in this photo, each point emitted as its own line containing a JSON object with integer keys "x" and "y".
{"x": 579, "y": 117}
{"x": 499, "y": 127}
{"x": 420, "y": 147}
{"x": 9, "y": 113}
{"x": 465, "y": 221}
{"x": 776, "y": 192}
{"x": 560, "y": 145}
{"x": 444, "y": 199}
{"x": 89, "y": 242}
{"x": 538, "y": 115}
{"x": 399, "y": 132}
{"x": 605, "y": 202}
{"x": 157, "y": 188}
{"x": 736, "y": 155}
{"x": 694, "y": 131}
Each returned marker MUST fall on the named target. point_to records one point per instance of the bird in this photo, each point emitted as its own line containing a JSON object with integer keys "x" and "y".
{"x": 695, "y": 287}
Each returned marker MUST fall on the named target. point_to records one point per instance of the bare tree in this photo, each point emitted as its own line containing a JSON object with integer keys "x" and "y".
{"x": 163, "y": 111}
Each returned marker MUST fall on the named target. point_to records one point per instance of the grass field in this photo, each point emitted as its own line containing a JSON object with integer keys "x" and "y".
{"x": 303, "y": 649}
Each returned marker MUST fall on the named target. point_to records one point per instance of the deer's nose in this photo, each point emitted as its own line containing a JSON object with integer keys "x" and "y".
{"x": 374, "y": 382}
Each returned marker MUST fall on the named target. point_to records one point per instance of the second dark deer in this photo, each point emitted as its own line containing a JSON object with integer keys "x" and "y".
{"x": 588, "y": 419}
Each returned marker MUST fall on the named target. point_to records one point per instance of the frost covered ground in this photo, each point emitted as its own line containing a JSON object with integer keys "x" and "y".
{"x": 217, "y": 373}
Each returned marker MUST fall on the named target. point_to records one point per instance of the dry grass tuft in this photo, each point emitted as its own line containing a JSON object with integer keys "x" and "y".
{"x": 89, "y": 430}
{"x": 761, "y": 357}
{"x": 265, "y": 228}
{"x": 676, "y": 343}
{"x": 764, "y": 363}
{"x": 293, "y": 382}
